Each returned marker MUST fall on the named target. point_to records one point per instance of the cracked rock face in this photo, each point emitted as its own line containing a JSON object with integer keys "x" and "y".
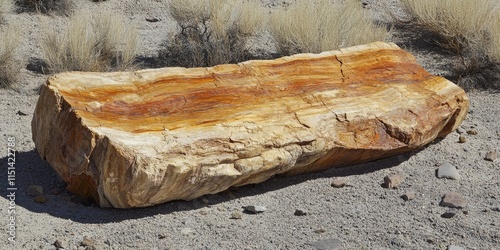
{"x": 142, "y": 138}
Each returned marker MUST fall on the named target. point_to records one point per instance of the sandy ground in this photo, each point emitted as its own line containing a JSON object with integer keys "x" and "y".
{"x": 362, "y": 215}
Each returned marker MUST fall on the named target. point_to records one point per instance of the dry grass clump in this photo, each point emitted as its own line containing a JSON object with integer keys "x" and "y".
{"x": 45, "y": 6}
{"x": 92, "y": 42}
{"x": 211, "y": 32}
{"x": 459, "y": 23}
{"x": 9, "y": 38}
{"x": 469, "y": 29}
{"x": 320, "y": 25}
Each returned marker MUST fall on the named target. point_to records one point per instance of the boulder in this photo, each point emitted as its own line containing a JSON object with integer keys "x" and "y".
{"x": 135, "y": 139}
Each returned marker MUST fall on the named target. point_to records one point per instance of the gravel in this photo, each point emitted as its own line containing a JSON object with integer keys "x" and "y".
{"x": 363, "y": 216}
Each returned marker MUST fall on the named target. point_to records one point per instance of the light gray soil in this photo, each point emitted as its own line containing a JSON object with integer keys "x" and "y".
{"x": 362, "y": 215}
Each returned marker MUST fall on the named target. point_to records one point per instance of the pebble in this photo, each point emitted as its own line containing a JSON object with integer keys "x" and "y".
{"x": 453, "y": 200}
{"x": 54, "y": 191}
{"x": 299, "y": 212}
{"x": 236, "y": 215}
{"x": 338, "y": 183}
{"x": 472, "y": 132}
{"x": 35, "y": 190}
{"x": 408, "y": 196}
{"x": 255, "y": 209}
{"x": 60, "y": 244}
{"x": 496, "y": 209}
{"x": 449, "y": 213}
{"x": 462, "y": 139}
{"x": 87, "y": 242}
{"x": 393, "y": 180}
{"x": 448, "y": 171}
{"x": 491, "y": 156}
{"x": 453, "y": 247}
{"x": 320, "y": 231}
{"x": 40, "y": 199}
{"x": 328, "y": 244}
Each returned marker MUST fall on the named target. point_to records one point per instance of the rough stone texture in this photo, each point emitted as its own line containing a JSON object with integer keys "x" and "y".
{"x": 393, "y": 180}
{"x": 453, "y": 200}
{"x": 448, "y": 171}
{"x": 147, "y": 137}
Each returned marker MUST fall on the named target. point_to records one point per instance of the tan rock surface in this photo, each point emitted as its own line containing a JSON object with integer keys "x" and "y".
{"x": 147, "y": 137}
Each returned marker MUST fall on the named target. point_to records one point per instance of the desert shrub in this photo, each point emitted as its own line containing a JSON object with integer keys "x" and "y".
{"x": 211, "y": 32}
{"x": 92, "y": 42}
{"x": 320, "y": 25}
{"x": 45, "y": 6}
{"x": 9, "y": 38}
{"x": 469, "y": 29}
{"x": 458, "y": 23}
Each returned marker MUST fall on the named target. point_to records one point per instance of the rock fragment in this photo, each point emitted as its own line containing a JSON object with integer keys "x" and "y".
{"x": 40, "y": 199}
{"x": 236, "y": 215}
{"x": 491, "y": 156}
{"x": 472, "y": 132}
{"x": 255, "y": 209}
{"x": 448, "y": 171}
{"x": 453, "y": 200}
{"x": 34, "y": 190}
{"x": 87, "y": 242}
{"x": 338, "y": 183}
{"x": 299, "y": 212}
{"x": 393, "y": 180}
{"x": 462, "y": 139}
{"x": 449, "y": 213}
{"x": 328, "y": 244}
{"x": 60, "y": 244}
{"x": 408, "y": 196}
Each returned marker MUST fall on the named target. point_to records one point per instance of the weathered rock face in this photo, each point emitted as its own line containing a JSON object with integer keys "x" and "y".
{"x": 151, "y": 136}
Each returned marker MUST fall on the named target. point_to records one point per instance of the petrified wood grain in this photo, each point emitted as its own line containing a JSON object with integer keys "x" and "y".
{"x": 147, "y": 137}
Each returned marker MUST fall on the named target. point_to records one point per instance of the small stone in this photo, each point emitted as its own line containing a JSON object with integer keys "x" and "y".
{"x": 449, "y": 213}
{"x": 393, "y": 180}
{"x": 152, "y": 19}
{"x": 205, "y": 200}
{"x": 491, "y": 156}
{"x": 453, "y": 200}
{"x": 255, "y": 209}
{"x": 328, "y": 244}
{"x": 453, "y": 247}
{"x": 40, "y": 199}
{"x": 448, "y": 171}
{"x": 60, "y": 244}
{"x": 87, "y": 242}
{"x": 54, "y": 191}
{"x": 408, "y": 196}
{"x": 236, "y": 215}
{"x": 299, "y": 212}
{"x": 496, "y": 209}
{"x": 472, "y": 132}
{"x": 34, "y": 190}
{"x": 338, "y": 183}
{"x": 203, "y": 212}
{"x": 462, "y": 139}
{"x": 320, "y": 231}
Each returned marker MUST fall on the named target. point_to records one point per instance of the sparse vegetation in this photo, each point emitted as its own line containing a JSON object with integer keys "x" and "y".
{"x": 92, "y": 42}
{"x": 45, "y": 6}
{"x": 320, "y": 25}
{"x": 469, "y": 29}
{"x": 211, "y": 32}
{"x": 9, "y": 38}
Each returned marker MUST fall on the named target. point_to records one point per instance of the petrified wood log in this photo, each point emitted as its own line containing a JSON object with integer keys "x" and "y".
{"x": 147, "y": 137}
